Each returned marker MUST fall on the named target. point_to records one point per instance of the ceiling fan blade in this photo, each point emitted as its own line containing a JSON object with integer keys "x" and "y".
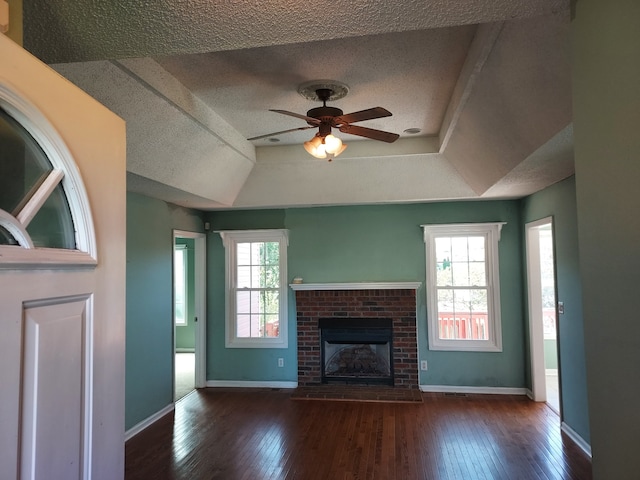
{"x": 368, "y": 114}
{"x": 370, "y": 133}
{"x": 315, "y": 121}
{"x": 279, "y": 133}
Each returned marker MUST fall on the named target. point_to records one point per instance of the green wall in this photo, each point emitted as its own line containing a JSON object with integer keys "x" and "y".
{"x": 371, "y": 243}
{"x": 186, "y": 334}
{"x": 149, "y": 342}
{"x": 559, "y": 201}
{"x": 606, "y": 88}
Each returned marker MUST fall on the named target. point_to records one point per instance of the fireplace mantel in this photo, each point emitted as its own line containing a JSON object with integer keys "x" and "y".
{"x": 357, "y": 286}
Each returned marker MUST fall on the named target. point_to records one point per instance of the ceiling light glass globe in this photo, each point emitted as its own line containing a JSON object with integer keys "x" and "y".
{"x": 332, "y": 144}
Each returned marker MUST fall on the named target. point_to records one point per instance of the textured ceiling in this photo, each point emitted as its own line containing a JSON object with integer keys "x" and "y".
{"x": 486, "y": 82}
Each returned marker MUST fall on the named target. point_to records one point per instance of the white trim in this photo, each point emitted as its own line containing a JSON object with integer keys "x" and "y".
{"x": 249, "y": 384}
{"x": 491, "y": 233}
{"x": 230, "y": 239}
{"x": 89, "y": 366}
{"x": 200, "y": 252}
{"x": 534, "y": 302}
{"x": 41, "y": 195}
{"x": 460, "y": 228}
{"x": 576, "y": 438}
{"x": 15, "y": 257}
{"x": 16, "y": 229}
{"x": 357, "y": 286}
{"x": 56, "y": 150}
{"x": 473, "y": 390}
{"x": 147, "y": 422}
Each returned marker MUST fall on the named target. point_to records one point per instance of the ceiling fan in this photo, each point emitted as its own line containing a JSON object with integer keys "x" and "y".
{"x": 325, "y": 118}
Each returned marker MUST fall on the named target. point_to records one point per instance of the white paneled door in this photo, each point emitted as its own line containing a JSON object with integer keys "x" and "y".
{"x": 62, "y": 277}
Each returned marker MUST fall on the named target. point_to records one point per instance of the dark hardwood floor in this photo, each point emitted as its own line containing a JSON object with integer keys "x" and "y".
{"x": 263, "y": 434}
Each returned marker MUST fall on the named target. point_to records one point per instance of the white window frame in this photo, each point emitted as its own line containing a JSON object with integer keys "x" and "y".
{"x": 230, "y": 239}
{"x": 491, "y": 233}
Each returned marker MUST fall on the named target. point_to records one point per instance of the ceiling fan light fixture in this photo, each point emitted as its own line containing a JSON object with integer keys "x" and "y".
{"x": 332, "y": 144}
{"x": 315, "y": 147}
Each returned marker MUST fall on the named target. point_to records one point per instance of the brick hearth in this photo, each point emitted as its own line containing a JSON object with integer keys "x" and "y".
{"x": 399, "y": 305}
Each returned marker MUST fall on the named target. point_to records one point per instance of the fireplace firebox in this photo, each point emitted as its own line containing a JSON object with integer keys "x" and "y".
{"x": 356, "y": 350}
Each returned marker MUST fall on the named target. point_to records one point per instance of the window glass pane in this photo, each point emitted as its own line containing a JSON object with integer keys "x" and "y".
{"x": 443, "y": 248}
{"x": 477, "y": 274}
{"x": 6, "y": 238}
{"x": 23, "y": 168}
{"x": 23, "y": 164}
{"x": 256, "y": 323}
{"x": 476, "y": 249}
{"x": 459, "y": 249}
{"x": 257, "y": 257}
{"x": 444, "y": 274}
{"x": 271, "y": 326}
{"x": 257, "y": 278}
{"x": 272, "y": 253}
{"x": 460, "y": 272}
{"x": 270, "y": 302}
{"x": 445, "y": 299}
{"x": 244, "y": 277}
{"x": 478, "y": 301}
{"x": 271, "y": 276}
{"x": 52, "y": 226}
{"x": 243, "y": 251}
{"x": 461, "y": 301}
{"x": 243, "y": 302}
{"x": 243, "y": 326}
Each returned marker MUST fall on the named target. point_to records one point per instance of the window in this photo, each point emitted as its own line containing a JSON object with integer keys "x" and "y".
{"x": 256, "y": 273}
{"x": 31, "y": 192}
{"x": 463, "y": 294}
{"x": 180, "y": 285}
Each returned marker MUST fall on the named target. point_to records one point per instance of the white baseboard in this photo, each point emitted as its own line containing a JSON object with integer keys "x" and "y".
{"x": 148, "y": 421}
{"x": 478, "y": 390}
{"x": 530, "y": 394}
{"x": 250, "y": 384}
{"x": 577, "y": 439}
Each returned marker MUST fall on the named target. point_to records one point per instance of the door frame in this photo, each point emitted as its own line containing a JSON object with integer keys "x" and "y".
{"x": 534, "y": 295}
{"x": 200, "y": 306}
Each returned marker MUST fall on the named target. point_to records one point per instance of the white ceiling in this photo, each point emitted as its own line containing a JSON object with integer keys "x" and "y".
{"x": 488, "y": 84}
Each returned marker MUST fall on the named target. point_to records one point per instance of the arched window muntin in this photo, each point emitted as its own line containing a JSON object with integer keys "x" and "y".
{"x": 64, "y": 173}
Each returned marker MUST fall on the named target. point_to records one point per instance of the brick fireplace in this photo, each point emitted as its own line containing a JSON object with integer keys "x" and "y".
{"x": 395, "y": 301}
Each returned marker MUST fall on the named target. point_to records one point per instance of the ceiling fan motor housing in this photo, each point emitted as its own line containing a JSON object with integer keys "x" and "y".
{"x": 324, "y": 114}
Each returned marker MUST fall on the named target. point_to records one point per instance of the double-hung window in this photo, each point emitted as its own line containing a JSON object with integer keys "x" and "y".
{"x": 463, "y": 288}
{"x": 256, "y": 287}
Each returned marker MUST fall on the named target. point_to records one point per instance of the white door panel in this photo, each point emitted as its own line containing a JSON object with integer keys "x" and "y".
{"x": 53, "y": 381}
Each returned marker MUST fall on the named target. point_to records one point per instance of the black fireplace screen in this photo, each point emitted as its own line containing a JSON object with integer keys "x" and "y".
{"x": 356, "y": 350}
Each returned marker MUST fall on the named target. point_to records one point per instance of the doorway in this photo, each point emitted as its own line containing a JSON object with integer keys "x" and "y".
{"x": 188, "y": 312}
{"x": 543, "y": 313}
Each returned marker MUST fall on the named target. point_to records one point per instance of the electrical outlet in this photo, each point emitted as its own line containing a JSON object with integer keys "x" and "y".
{"x": 423, "y": 365}
{"x": 281, "y": 362}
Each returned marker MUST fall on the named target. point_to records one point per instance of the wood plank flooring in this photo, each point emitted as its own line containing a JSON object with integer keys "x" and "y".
{"x": 262, "y": 434}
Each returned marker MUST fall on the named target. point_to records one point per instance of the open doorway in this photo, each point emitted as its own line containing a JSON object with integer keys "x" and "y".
{"x": 189, "y": 314}
{"x": 543, "y": 313}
